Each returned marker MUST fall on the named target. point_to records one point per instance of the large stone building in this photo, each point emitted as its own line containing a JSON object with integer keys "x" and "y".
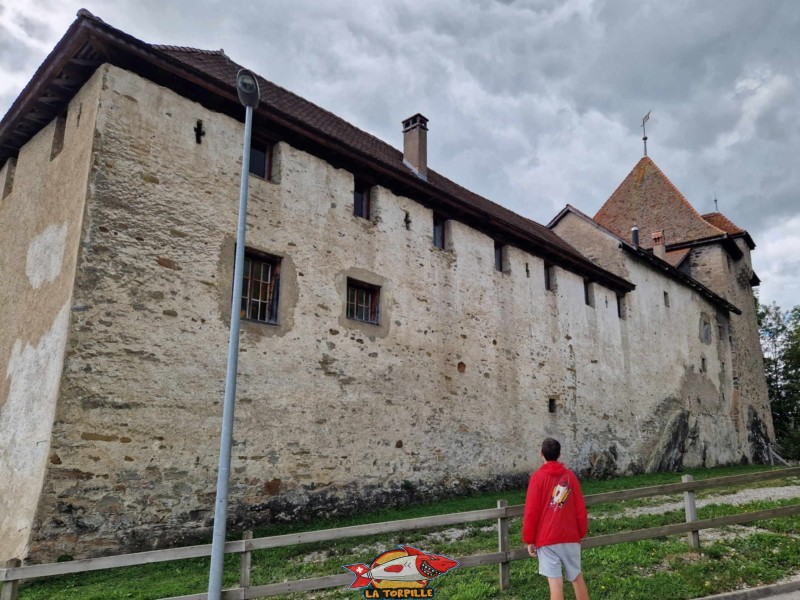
{"x": 403, "y": 337}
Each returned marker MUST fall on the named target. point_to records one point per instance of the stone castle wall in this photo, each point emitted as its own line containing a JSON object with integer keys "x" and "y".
{"x": 451, "y": 392}
{"x": 41, "y": 212}
{"x": 730, "y": 278}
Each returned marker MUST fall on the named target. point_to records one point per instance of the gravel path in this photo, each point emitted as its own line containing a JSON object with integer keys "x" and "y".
{"x": 737, "y": 498}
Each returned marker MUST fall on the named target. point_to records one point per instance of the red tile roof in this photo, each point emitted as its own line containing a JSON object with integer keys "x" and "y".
{"x": 648, "y": 199}
{"x": 720, "y": 221}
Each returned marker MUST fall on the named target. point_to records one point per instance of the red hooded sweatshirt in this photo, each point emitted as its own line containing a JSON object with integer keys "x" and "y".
{"x": 554, "y": 509}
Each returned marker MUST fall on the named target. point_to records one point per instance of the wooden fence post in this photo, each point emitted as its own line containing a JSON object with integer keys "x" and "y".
{"x": 693, "y": 537}
{"x": 9, "y": 591}
{"x": 245, "y": 559}
{"x": 502, "y": 544}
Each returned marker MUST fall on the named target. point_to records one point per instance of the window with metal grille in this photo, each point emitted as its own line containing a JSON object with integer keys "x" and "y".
{"x": 261, "y": 155}
{"x": 260, "y": 287}
{"x": 363, "y": 302}
{"x": 361, "y": 193}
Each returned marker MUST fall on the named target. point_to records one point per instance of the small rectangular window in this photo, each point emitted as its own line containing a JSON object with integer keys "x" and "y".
{"x": 58, "y": 136}
{"x": 438, "y": 231}
{"x": 261, "y": 157}
{"x": 621, "y": 307}
{"x": 363, "y": 302}
{"x": 498, "y": 256}
{"x": 666, "y": 299}
{"x": 260, "y": 287}
{"x": 549, "y": 277}
{"x": 361, "y": 194}
{"x": 551, "y": 405}
{"x": 588, "y": 292}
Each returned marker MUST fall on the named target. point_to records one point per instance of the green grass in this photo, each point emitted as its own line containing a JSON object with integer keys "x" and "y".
{"x": 661, "y": 568}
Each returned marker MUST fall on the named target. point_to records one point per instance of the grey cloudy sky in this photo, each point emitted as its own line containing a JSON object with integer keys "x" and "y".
{"x": 533, "y": 104}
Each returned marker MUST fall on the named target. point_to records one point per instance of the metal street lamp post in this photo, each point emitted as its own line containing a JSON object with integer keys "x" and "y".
{"x": 249, "y": 95}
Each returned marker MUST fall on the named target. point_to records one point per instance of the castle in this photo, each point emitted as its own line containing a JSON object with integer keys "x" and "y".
{"x": 402, "y": 337}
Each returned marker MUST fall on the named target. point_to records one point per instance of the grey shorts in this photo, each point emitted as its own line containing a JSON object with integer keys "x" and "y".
{"x": 551, "y": 558}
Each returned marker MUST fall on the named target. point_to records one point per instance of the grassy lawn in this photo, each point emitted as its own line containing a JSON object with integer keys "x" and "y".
{"x": 661, "y": 568}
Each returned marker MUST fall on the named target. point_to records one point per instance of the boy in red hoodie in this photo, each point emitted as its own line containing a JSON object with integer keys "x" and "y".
{"x": 555, "y": 522}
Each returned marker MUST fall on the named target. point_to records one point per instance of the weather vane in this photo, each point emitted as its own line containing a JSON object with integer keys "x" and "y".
{"x": 644, "y": 131}
{"x": 716, "y": 206}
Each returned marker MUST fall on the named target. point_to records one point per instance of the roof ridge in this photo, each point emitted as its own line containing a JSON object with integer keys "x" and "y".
{"x": 188, "y": 49}
{"x": 680, "y": 195}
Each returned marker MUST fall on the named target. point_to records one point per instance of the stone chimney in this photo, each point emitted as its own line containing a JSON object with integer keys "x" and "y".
{"x": 415, "y": 144}
{"x": 658, "y": 245}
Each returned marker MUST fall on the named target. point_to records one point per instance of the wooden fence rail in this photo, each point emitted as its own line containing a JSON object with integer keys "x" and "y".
{"x": 13, "y": 573}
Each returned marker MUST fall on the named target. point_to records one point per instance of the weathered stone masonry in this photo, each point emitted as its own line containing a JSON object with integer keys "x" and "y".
{"x": 117, "y": 232}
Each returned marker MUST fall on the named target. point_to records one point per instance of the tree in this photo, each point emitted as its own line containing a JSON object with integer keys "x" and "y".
{"x": 780, "y": 342}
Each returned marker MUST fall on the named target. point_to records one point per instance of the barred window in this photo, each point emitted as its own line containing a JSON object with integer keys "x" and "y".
{"x": 260, "y": 287}
{"x": 363, "y": 302}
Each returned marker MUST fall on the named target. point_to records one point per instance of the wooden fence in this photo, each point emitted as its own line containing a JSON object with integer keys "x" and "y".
{"x": 14, "y": 573}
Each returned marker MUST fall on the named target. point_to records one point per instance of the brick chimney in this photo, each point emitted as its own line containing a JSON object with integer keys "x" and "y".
{"x": 659, "y": 248}
{"x": 415, "y": 144}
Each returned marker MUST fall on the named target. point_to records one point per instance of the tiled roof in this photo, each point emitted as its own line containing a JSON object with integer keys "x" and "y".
{"x": 648, "y": 199}
{"x": 675, "y": 257}
{"x": 720, "y": 221}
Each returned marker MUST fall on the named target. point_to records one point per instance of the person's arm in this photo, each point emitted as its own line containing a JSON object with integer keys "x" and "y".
{"x": 580, "y": 509}
{"x": 530, "y": 519}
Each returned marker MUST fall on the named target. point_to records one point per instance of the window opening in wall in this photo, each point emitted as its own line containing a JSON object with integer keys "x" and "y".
{"x": 8, "y": 183}
{"x": 666, "y": 299}
{"x": 361, "y": 193}
{"x": 527, "y": 270}
{"x": 261, "y": 158}
{"x": 549, "y": 277}
{"x": 260, "y": 287}
{"x": 58, "y": 136}
{"x": 363, "y": 301}
{"x": 621, "y": 306}
{"x": 703, "y": 364}
{"x": 438, "y": 231}
{"x": 498, "y": 256}
{"x": 551, "y": 405}
{"x": 588, "y": 292}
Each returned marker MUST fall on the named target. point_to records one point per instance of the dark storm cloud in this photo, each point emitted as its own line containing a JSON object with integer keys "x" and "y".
{"x": 532, "y": 103}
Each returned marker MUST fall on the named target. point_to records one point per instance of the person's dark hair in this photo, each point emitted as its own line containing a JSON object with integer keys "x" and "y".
{"x": 551, "y": 449}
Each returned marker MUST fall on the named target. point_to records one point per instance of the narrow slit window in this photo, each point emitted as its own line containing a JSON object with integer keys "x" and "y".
{"x": 361, "y": 194}
{"x": 58, "y": 136}
{"x": 666, "y": 299}
{"x": 551, "y": 405}
{"x": 549, "y": 278}
{"x": 498, "y": 256}
{"x": 363, "y": 302}
{"x": 438, "y": 231}
{"x": 588, "y": 292}
{"x": 260, "y": 287}
{"x": 621, "y": 307}
{"x": 261, "y": 158}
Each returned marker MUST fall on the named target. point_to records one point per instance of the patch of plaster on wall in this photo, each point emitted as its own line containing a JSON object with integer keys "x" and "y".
{"x": 45, "y": 255}
{"x": 26, "y": 421}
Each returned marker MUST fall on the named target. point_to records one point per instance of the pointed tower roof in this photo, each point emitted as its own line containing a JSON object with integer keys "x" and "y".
{"x": 648, "y": 199}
